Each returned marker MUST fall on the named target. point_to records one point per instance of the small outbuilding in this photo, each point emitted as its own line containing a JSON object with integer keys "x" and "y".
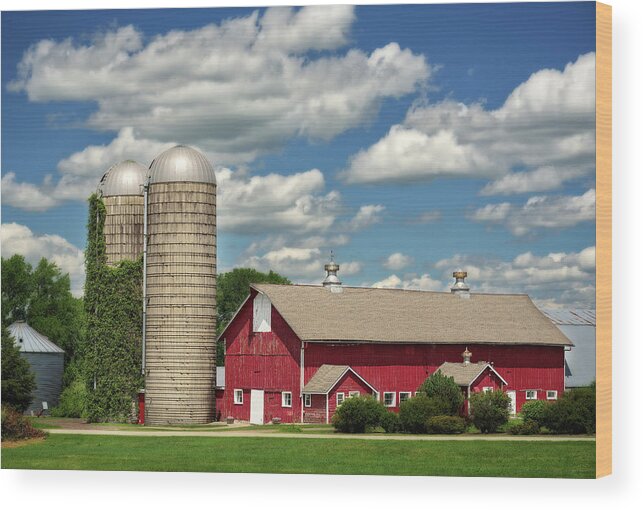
{"x": 47, "y": 362}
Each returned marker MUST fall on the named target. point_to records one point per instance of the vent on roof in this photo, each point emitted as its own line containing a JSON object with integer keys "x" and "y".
{"x": 332, "y": 281}
{"x": 460, "y": 287}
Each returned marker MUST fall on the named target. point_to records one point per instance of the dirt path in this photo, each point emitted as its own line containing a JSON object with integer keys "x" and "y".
{"x": 272, "y": 434}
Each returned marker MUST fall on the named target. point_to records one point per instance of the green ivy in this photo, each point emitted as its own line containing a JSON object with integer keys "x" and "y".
{"x": 113, "y": 304}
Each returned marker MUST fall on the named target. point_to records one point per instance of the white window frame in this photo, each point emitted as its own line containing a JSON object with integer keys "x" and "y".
{"x": 393, "y": 402}
{"x": 238, "y": 401}
{"x": 340, "y": 396}
{"x": 527, "y": 392}
{"x": 408, "y": 395}
{"x": 487, "y": 389}
{"x": 554, "y": 396}
{"x": 285, "y": 394}
{"x": 352, "y": 394}
{"x": 308, "y": 400}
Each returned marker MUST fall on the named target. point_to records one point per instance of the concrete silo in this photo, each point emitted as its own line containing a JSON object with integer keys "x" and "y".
{"x": 180, "y": 338}
{"x": 122, "y": 191}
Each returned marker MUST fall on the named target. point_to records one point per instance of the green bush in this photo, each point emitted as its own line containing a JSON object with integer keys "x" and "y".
{"x": 73, "y": 401}
{"x": 416, "y": 411}
{"x": 18, "y": 381}
{"x": 446, "y": 425}
{"x": 489, "y": 410}
{"x": 16, "y": 426}
{"x": 525, "y": 428}
{"x": 445, "y": 392}
{"x": 534, "y": 410}
{"x": 575, "y": 413}
{"x": 357, "y": 414}
{"x": 390, "y": 422}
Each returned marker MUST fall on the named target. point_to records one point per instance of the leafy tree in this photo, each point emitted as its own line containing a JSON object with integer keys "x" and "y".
{"x": 17, "y": 285}
{"x": 444, "y": 390}
{"x": 489, "y": 410}
{"x": 574, "y": 413}
{"x": 18, "y": 381}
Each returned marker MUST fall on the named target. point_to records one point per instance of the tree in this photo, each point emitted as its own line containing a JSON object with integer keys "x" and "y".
{"x": 489, "y": 410}
{"x": 18, "y": 381}
{"x": 17, "y": 285}
{"x": 444, "y": 390}
{"x": 357, "y": 414}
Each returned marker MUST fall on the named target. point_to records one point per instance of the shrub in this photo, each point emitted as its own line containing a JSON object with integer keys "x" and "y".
{"x": 489, "y": 410}
{"x": 416, "y": 411}
{"x": 16, "y": 426}
{"x": 575, "y": 413}
{"x": 527, "y": 427}
{"x": 356, "y": 414}
{"x": 73, "y": 401}
{"x": 534, "y": 410}
{"x": 444, "y": 391}
{"x": 390, "y": 422}
{"x": 18, "y": 381}
{"x": 446, "y": 425}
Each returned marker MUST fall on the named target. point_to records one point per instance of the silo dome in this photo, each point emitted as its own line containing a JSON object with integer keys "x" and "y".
{"x": 124, "y": 178}
{"x": 181, "y": 164}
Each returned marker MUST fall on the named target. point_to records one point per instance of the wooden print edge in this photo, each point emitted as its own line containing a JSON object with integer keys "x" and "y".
{"x": 603, "y": 240}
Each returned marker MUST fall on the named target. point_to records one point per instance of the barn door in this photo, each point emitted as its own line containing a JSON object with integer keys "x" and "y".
{"x": 512, "y": 405}
{"x": 256, "y": 407}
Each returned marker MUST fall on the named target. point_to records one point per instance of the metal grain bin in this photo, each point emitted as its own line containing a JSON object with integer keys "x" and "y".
{"x": 47, "y": 361}
{"x": 180, "y": 347}
{"x": 122, "y": 190}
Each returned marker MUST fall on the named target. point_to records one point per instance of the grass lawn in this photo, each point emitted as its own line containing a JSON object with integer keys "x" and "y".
{"x": 302, "y": 455}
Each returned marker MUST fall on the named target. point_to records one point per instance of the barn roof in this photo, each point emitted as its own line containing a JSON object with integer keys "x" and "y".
{"x": 572, "y": 317}
{"x": 29, "y": 340}
{"x": 410, "y": 316}
{"x": 326, "y": 377}
{"x": 466, "y": 373}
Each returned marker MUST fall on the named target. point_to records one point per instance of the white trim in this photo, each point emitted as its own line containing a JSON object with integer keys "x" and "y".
{"x": 238, "y": 402}
{"x": 384, "y": 398}
{"x": 235, "y": 315}
{"x": 327, "y": 421}
{"x": 407, "y": 393}
{"x": 489, "y": 365}
{"x": 337, "y": 402}
{"x": 554, "y": 397}
{"x": 283, "y": 398}
{"x": 535, "y": 397}
{"x": 309, "y": 398}
{"x": 486, "y": 389}
{"x": 352, "y": 394}
{"x": 301, "y": 383}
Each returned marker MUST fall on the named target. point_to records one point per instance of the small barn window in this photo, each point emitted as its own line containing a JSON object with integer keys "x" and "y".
{"x": 389, "y": 398}
{"x": 238, "y": 396}
{"x": 308, "y": 400}
{"x": 340, "y": 399}
{"x": 552, "y": 395}
{"x": 531, "y": 395}
{"x": 261, "y": 314}
{"x": 404, "y": 395}
{"x": 354, "y": 394}
{"x": 286, "y": 399}
{"x": 487, "y": 389}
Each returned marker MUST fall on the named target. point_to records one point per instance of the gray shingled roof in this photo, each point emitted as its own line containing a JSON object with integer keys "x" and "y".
{"x": 465, "y": 373}
{"x": 325, "y": 378}
{"x": 29, "y": 340}
{"x": 408, "y": 316}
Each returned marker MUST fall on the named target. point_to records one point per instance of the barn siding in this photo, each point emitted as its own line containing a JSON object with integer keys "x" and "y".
{"x": 316, "y": 413}
{"x": 346, "y": 384}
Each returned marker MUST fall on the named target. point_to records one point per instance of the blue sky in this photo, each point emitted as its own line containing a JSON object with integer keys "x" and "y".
{"x": 411, "y": 140}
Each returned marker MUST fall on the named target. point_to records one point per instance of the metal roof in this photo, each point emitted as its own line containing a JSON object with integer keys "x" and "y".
{"x": 573, "y": 317}
{"x": 29, "y": 340}
{"x": 410, "y": 316}
{"x": 181, "y": 164}
{"x": 124, "y": 178}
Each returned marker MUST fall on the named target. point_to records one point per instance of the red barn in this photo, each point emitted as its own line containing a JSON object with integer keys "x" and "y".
{"x": 296, "y": 352}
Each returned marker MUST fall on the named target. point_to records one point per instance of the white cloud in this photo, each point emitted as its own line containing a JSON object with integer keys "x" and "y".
{"x": 397, "y": 261}
{"x": 540, "y": 212}
{"x": 546, "y": 126}
{"x": 423, "y": 282}
{"x": 25, "y": 195}
{"x": 16, "y": 238}
{"x": 366, "y": 216}
{"x": 238, "y": 89}
{"x": 426, "y": 217}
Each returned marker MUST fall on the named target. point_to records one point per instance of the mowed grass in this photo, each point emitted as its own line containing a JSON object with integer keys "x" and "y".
{"x": 302, "y": 455}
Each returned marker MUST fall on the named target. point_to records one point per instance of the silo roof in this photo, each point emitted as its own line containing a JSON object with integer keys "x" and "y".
{"x": 181, "y": 164}
{"x": 29, "y": 340}
{"x": 124, "y": 178}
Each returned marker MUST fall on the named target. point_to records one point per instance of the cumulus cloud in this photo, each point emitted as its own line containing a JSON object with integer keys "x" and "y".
{"x": 366, "y": 216}
{"x": 27, "y": 196}
{"x": 422, "y": 282}
{"x": 16, "y": 238}
{"x": 237, "y": 89}
{"x": 545, "y": 127}
{"x": 397, "y": 261}
{"x": 540, "y": 212}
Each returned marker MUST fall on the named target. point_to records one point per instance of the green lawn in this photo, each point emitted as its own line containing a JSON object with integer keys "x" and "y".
{"x": 301, "y": 455}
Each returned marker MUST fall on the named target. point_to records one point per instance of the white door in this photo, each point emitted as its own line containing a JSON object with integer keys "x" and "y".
{"x": 512, "y": 405}
{"x": 256, "y": 407}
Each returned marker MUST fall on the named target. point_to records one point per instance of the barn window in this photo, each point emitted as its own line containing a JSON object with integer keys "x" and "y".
{"x": 552, "y": 395}
{"x": 340, "y": 399}
{"x": 389, "y": 398}
{"x": 404, "y": 395}
{"x": 308, "y": 400}
{"x": 261, "y": 314}
{"x": 354, "y": 394}
{"x": 238, "y": 396}
{"x": 487, "y": 389}
{"x": 531, "y": 395}
{"x": 286, "y": 399}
